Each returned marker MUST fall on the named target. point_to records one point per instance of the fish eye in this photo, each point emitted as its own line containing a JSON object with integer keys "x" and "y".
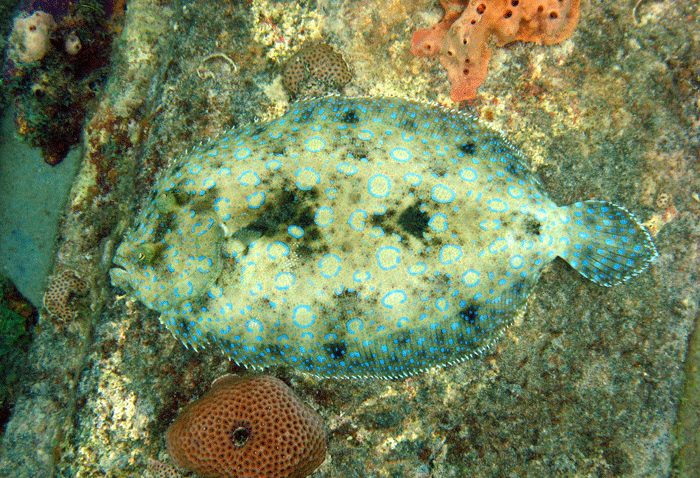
{"x": 141, "y": 256}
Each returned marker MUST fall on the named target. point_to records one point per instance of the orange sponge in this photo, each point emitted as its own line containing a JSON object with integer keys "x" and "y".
{"x": 248, "y": 427}
{"x": 462, "y": 37}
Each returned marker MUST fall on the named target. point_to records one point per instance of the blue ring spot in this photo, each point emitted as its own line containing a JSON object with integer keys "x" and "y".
{"x": 254, "y": 323}
{"x": 471, "y": 278}
{"x": 379, "y": 186}
{"x": 361, "y": 276}
{"x": 295, "y": 231}
{"x": 438, "y": 222}
{"x": 355, "y": 222}
{"x": 256, "y": 200}
{"x": 284, "y": 280}
{"x": 303, "y": 317}
{"x": 388, "y": 257}
{"x": 517, "y": 261}
{"x": 277, "y": 246}
{"x": 497, "y": 246}
{"x": 468, "y": 174}
{"x": 400, "y": 154}
{"x": 326, "y": 265}
{"x": 394, "y": 298}
{"x": 315, "y": 144}
{"x": 347, "y": 168}
{"x": 365, "y": 135}
{"x": 323, "y": 216}
{"x": 354, "y": 326}
{"x": 241, "y": 153}
{"x": 442, "y": 194}
{"x": 515, "y": 192}
{"x": 497, "y": 205}
{"x": 450, "y": 253}
{"x": 305, "y": 186}
{"x": 418, "y": 268}
{"x": 249, "y": 178}
{"x": 413, "y": 179}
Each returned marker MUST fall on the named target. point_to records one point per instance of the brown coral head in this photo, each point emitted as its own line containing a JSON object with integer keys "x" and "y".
{"x": 248, "y": 427}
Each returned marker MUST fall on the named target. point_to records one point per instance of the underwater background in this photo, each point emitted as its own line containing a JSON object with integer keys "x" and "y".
{"x": 590, "y": 381}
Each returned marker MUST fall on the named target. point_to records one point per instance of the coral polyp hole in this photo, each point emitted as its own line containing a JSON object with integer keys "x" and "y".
{"x": 465, "y": 41}
{"x": 540, "y": 8}
{"x": 465, "y": 71}
{"x": 515, "y": 3}
{"x": 481, "y": 9}
{"x": 508, "y": 14}
{"x": 553, "y": 15}
{"x": 473, "y": 22}
{"x": 240, "y": 436}
{"x": 450, "y": 53}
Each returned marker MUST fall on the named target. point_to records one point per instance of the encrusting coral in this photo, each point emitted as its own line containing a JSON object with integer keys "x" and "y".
{"x": 156, "y": 469}
{"x": 463, "y": 37}
{"x": 315, "y": 70}
{"x": 60, "y": 295}
{"x": 248, "y": 427}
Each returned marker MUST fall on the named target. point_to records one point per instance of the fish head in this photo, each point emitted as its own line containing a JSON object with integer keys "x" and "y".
{"x": 172, "y": 253}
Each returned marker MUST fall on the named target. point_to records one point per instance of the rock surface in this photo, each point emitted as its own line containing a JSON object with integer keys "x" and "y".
{"x": 586, "y": 383}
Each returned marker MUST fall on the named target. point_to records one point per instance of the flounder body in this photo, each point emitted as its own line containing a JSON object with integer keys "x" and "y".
{"x": 360, "y": 237}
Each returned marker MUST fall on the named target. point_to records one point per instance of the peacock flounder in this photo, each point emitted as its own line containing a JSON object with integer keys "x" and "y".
{"x": 360, "y": 237}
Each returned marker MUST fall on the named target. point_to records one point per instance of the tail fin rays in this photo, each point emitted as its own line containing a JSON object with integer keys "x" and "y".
{"x": 607, "y": 244}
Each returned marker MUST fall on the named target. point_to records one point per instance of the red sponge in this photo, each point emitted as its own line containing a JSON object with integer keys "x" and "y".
{"x": 248, "y": 427}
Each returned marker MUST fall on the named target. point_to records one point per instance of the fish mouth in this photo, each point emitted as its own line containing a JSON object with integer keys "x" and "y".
{"x": 119, "y": 277}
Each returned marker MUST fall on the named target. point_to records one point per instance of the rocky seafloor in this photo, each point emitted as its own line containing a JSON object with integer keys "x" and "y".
{"x": 589, "y": 382}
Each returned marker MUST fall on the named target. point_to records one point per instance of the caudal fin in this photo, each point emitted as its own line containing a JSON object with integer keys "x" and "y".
{"x": 606, "y": 243}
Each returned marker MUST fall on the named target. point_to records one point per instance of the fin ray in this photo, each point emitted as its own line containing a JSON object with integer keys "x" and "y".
{"x": 607, "y": 244}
